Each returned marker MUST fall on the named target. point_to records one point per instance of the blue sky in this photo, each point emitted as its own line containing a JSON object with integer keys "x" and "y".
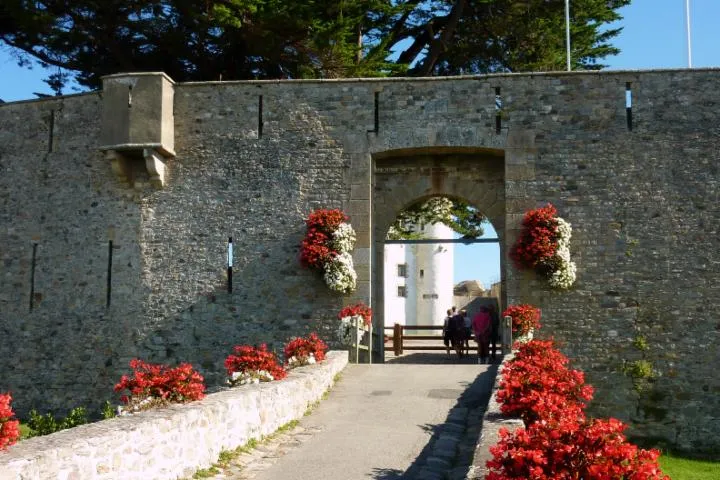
{"x": 653, "y": 36}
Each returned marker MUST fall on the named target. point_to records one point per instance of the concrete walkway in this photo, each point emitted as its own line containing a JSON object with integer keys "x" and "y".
{"x": 417, "y": 417}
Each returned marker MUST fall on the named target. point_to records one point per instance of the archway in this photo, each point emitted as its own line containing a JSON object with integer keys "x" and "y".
{"x": 404, "y": 177}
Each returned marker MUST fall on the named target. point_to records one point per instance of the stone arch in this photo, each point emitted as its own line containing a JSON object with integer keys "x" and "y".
{"x": 403, "y": 177}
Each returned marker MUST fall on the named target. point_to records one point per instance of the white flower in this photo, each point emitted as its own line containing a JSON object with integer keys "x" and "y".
{"x": 564, "y": 276}
{"x": 345, "y": 329}
{"x": 340, "y": 274}
{"x": 566, "y": 272}
{"x": 249, "y": 377}
{"x": 564, "y": 233}
{"x": 344, "y": 238}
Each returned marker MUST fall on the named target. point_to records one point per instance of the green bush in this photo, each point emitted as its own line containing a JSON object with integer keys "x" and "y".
{"x": 47, "y": 424}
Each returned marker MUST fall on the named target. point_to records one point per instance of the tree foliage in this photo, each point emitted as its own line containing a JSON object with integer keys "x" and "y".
{"x": 456, "y": 214}
{"x": 256, "y": 39}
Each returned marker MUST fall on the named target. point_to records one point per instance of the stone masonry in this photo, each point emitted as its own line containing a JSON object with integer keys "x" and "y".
{"x": 168, "y": 172}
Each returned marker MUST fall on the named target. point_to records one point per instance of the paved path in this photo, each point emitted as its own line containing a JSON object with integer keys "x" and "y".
{"x": 399, "y": 420}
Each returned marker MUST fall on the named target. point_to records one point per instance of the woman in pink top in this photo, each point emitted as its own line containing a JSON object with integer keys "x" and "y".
{"x": 482, "y": 325}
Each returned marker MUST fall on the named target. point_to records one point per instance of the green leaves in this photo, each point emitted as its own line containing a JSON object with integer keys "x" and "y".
{"x": 456, "y": 214}
{"x": 247, "y": 39}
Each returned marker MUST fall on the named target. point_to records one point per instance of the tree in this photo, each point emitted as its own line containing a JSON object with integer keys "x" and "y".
{"x": 254, "y": 39}
{"x": 456, "y": 214}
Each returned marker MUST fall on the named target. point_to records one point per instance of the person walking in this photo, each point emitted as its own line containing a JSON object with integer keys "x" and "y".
{"x": 467, "y": 324}
{"x": 446, "y": 330}
{"x": 482, "y": 327}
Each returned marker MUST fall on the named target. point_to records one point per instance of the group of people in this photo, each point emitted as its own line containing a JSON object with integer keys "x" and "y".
{"x": 458, "y": 329}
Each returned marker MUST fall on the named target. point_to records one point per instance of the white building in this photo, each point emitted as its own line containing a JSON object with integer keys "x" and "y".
{"x": 419, "y": 280}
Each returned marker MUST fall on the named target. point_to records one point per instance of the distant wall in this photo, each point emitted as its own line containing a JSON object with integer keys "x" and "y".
{"x": 643, "y": 203}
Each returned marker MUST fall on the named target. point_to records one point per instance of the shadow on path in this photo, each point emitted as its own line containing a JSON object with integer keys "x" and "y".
{"x": 449, "y": 452}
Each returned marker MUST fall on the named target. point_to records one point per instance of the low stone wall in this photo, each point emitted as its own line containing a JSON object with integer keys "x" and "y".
{"x": 173, "y": 442}
{"x": 493, "y": 421}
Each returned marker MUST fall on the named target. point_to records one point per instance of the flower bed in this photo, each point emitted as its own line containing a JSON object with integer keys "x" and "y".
{"x": 253, "y": 365}
{"x": 154, "y": 385}
{"x": 558, "y": 441}
{"x": 305, "y": 351}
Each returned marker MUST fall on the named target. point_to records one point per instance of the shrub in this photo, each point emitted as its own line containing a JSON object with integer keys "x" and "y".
{"x": 252, "y": 365}
{"x": 525, "y": 317}
{"x": 9, "y": 426}
{"x": 303, "y": 351}
{"x": 152, "y": 385}
{"x": 47, "y": 424}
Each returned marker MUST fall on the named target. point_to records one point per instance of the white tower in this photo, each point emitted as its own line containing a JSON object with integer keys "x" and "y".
{"x": 419, "y": 280}
{"x": 434, "y": 276}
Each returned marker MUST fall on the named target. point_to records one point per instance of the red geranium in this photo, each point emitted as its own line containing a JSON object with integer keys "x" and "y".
{"x": 301, "y": 349}
{"x": 178, "y": 384}
{"x": 326, "y": 220}
{"x": 525, "y": 317}
{"x": 572, "y": 449}
{"x": 538, "y": 385}
{"x": 316, "y": 249}
{"x": 248, "y": 359}
{"x": 358, "y": 309}
{"x": 9, "y": 426}
{"x": 559, "y": 442}
{"x": 537, "y": 244}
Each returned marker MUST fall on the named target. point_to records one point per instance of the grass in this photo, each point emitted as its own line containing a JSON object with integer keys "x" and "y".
{"x": 678, "y": 468}
{"x": 25, "y": 431}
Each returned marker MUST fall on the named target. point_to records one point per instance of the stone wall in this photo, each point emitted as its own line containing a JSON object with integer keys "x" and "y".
{"x": 642, "y": 201}
{"x": 173, "y": 442}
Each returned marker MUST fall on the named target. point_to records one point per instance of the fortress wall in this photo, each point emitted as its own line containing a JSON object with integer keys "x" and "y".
{"x": 643, "y": 205}
{"x": 645, "y": 219}
{"x": 63, "y": 197}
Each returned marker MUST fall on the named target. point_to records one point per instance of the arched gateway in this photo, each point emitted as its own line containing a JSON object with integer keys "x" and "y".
{"x": 404, "y": 176}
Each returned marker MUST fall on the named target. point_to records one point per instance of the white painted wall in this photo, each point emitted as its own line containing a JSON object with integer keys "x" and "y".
{"x": 429, "y": 281}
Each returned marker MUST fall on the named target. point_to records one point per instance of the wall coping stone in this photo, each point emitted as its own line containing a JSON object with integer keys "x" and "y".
{"x": 176, "y": 441}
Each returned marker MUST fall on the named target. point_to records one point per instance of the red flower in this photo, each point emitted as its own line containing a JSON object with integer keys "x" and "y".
{"x": 358, "y": 309}
{"x": 9, "y": 427}
{"x": 179, "y": 384}
{"x": 250, "y": 359}
{"x": 558, "y": 441}
{"x": 316, "y": 249}
{"x": 537, "y": 244}
{"x": 301, "y": 348}
{"x": 524, "y": 318}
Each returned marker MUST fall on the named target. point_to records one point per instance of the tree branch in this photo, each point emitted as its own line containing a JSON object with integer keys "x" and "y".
{"x": 439, "y": 45}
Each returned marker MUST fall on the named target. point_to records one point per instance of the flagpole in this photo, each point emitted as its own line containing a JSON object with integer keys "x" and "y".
{"x": 687, "y": 29}
{"x": 567, "y": 32}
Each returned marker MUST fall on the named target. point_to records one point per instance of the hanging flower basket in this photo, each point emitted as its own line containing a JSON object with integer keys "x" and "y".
{"x": 525, "y": 320}
{"x": 327, "y": 246}
{"x": 359, "y": 317}
{"x": 544, "y": 246}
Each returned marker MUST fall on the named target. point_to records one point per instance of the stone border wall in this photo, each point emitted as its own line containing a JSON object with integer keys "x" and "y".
{"x": 172, "y": 442}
